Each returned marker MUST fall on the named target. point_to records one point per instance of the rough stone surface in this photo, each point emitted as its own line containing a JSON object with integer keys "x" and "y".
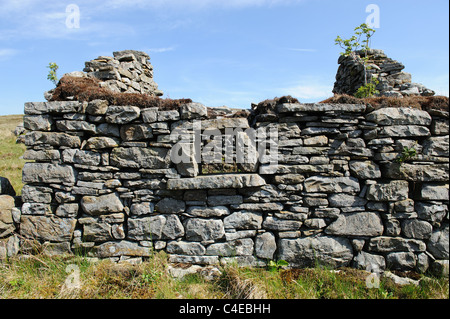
{"x": 265, "y": 246}
{"x": 136, "y": 157}
{"x": 310, "y": 251}
{"x": 391, "y": 191}
{"x": 47, "y": 228}
{"x": 101, "y": 205}
{"x": 318, "y": 184}
{"x": 218, "y": 181}
{"x": 48, "y": 173}
{"x": 204, "y": 230}
{"x": 155, "y": 227}
{"x": 243, "y": 220}
{"x": 122, "y": 248}
{"x": 333, "y": 186}
{"x": 170, "y": 206}
{"x": 399, "y": 116}
{"x": 438, "y": 243}
{"x": 385, "y": 244}
{"x": 186, "y": 248}
{"x": 357, "y": 224}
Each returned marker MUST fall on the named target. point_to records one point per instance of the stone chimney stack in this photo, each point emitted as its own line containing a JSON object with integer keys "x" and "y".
{"x": 392, "y": 80}
{"x": 129, "y": 71}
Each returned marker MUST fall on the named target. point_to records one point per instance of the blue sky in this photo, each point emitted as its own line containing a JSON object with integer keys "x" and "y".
{"x": 233, "y": 52}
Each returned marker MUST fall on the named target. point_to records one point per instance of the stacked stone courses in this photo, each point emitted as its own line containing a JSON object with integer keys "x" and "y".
{"x": 100, "y": 180}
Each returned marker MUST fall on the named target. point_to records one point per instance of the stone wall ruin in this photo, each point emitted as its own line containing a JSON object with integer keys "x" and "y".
{"x": 101, "y": 181}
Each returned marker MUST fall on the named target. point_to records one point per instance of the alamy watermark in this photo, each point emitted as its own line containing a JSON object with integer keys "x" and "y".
{"x": 196, "y": 143}
{"x": 373, "y": 19}
{"x": 373, "y": 280}
{"x": 72, "y": 284}
{"x": 72, "y": 16}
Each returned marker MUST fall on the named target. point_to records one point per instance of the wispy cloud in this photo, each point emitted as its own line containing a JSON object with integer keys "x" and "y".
{"x": 7, "y": 53}
{"x": 161, "y": 50}
{"x": 47, "y": 19}
{"x": 310, "y": 89}
{"x": 198, "y": 4}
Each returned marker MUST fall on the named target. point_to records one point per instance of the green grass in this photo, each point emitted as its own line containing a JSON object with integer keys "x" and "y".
{"x": 40, "y": 276}
{"x": 11, "y": 163}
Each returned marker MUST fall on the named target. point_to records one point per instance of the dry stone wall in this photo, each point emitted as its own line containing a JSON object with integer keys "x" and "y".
{"x": 101, "y": 180}
{"x": 332, "y": 185}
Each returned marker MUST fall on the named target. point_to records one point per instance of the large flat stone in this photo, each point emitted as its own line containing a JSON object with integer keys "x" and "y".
{"x": 432, "y": 191}
{"x": 388, "y": 191}
{"x": 224, "y": 123}
{"x": 155, "y": 227}
{"x": 384, "y": 244}
{"x": 243, "y": 220}
{"x": 52, "y": 138}
{"x": 53, "y": 107}
{"x": 239, "y": 247}
{"x": 185, "y": 248}
{"x": 345, "y": 200}
{"x": 310, "y": 251}
{"x": 101, "y": 205}
{"x": 198, "y": 229}
{"x": 417, "y": 173}
{"x": 216, "y": 181}
{"x": 37, "y": 122}
{"x": 320, "y": 107}
{"x": 399, "y": 116}
{"x": 320, "y": 184}
{"x": 48, "y": 173}
{"x": 404, "y": 131}
{"x": 138, "y": 157}
{"x": 365, "y": 169}
{"x": 83, "y": 126}
{"x": 206, "y": 212}
{"x": 47, "y": 228}
{"x": 122, "y": 114}
{"x": 436, "y": 146}
{"x": 122, "y": 248}
{"x": 357, "y": 224}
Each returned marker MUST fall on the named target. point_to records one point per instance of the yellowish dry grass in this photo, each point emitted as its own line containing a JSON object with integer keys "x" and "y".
{"x": 11, "y": 163}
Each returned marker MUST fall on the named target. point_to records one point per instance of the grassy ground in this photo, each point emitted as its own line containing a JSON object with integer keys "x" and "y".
{"x": 10, "y": 162}
{"x": 39, "y": 276}
{"x": 44, "y": 277}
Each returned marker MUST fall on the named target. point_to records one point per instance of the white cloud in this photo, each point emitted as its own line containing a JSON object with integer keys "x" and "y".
{"x": 196, "y": 4}
{"x": 161, "y": 50}
{"x": 309, "y": 91}
{"x": 7, "y": 53}
{"x": 47, "y": 19}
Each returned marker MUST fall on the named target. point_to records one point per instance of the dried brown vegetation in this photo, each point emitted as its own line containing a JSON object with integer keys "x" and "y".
{"x": 425, "y": 103}
{"x": 269, "y": 106}
{"x": 89, "y": 89}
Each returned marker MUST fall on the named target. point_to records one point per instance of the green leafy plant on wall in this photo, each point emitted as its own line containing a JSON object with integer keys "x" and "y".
{"x": 274, "y": 266}
{"x": 360, "y": 41}
{"x": 52, "y": 73}
{"x": 407, "y": 153}
{"x": 368, "y": 89}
